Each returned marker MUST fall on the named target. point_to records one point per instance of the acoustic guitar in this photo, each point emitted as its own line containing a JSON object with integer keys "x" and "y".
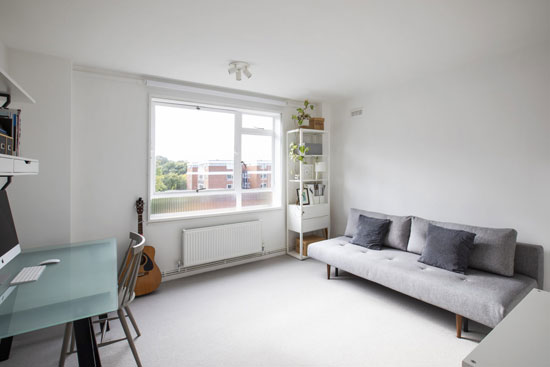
{"x": 149, "y": 276}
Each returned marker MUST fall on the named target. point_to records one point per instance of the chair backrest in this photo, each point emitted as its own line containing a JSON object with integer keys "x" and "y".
{"x": 129, "y": 271}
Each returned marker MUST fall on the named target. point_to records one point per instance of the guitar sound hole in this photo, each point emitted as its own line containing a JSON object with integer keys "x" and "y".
{"x": 147, "y": 263}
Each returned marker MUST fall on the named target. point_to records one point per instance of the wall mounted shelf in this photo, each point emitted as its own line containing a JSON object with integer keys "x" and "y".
{"x": 307, "y": 131}
{"x": 11, "y": 165}
{"x": 10, "y": 86}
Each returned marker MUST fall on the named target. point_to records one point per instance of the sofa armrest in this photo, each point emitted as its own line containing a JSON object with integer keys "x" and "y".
{"x": 529, "y": 260}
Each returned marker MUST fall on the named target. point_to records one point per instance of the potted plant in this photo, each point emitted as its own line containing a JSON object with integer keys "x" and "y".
{"x": 298, "y": 152}
{"x": 303, "y": 114}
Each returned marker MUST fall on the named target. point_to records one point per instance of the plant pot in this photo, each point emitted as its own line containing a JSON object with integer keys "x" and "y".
{"x": 305, "y": 125}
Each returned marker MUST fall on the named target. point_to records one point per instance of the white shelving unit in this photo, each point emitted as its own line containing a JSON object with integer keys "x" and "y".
{"x": 11, "y": 165}
{"x": 302, "y": 218}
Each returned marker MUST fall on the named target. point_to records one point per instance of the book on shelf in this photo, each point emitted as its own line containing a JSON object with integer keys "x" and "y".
{"x": 10, "y": 126}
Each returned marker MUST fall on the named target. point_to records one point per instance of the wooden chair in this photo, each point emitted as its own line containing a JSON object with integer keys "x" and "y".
{"x": 127, "y": 277}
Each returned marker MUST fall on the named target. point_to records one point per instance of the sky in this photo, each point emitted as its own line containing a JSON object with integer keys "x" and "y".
{"x": 197, "y": 135}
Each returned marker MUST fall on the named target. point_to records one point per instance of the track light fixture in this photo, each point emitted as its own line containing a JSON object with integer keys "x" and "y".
{"x": 238, "y": 68}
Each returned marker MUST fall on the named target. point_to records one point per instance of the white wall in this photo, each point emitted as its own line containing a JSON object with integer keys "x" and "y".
{"x": 109, "y": 145}
{"x": 469, "y": 145}
{"x": 90, "y": 133}
{"x": 40, "y": 204}
{"x": 3, "y": 56}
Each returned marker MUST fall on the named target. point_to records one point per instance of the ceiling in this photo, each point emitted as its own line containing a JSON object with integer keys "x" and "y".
{"x": 298, "y": 49}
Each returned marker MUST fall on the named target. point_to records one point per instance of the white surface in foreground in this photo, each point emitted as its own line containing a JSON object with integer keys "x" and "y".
{"x": 521, "y": 339}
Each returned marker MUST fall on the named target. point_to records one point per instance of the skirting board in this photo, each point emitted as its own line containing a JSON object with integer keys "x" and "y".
{"x": 183, "y": 274}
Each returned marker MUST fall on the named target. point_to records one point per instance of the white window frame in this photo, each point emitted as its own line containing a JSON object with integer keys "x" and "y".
{"x": 276, "y": 169}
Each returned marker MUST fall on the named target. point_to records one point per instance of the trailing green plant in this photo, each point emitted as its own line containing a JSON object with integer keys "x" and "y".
{"x": 303, "y": 114}
{"x": 298, "y": 152}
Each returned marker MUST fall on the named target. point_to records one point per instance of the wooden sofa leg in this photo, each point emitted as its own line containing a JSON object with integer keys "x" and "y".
{"x": 458, "y": 326}
{"x": 328, "y": 271}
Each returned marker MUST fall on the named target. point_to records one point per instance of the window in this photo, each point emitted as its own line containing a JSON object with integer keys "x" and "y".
{"x": 209, "y": 160}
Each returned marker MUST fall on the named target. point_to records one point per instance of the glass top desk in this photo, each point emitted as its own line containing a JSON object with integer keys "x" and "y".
{"x": 82, "y": 285}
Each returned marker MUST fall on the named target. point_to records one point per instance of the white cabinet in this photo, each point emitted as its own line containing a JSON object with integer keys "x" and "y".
{"x": 311, "y": 212}
{"x": 17, "y": 166}
{"x": 6, "y": 164}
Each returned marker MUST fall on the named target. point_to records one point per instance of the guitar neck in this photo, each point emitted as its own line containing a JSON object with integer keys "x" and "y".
{"x": 140, "y": 224}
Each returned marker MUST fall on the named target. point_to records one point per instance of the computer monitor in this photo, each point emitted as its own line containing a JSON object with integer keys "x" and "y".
{"x": 9, "y": 243}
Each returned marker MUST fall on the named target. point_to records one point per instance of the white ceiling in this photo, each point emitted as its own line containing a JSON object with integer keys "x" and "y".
{"x": 298, "y": 49}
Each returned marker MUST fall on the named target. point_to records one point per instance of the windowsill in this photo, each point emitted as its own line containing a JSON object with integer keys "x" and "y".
{"x": 215, "y": 214}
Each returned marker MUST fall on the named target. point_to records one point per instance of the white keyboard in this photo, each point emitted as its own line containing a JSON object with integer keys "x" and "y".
{"x": 29, "y": 274}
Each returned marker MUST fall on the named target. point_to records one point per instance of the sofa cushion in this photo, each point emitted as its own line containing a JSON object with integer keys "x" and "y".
{"x": 371, "y": 232}
{"x": 494, "y": 248}
{"x": 447, "y": 249}
{"x": 479, "y": 296}
{"x": 398, "y": 234}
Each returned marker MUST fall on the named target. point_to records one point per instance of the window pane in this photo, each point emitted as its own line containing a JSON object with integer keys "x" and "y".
{"x": 209, "y": 175}
{"x": 194, "y": 160}
{"x": 168, "y": 206}
{"x": 257, "y": 122}
{"x": 256, "y": 165}
{"x": 194, "y": 148}
{"x": 257, "y": 198}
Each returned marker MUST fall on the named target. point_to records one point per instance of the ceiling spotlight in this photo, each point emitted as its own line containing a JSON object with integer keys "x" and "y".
{"x": 238, "y": 68}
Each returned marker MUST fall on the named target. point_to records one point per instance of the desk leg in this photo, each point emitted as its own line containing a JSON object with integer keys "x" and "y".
{"x": 86, "y": 346}
{"x": 5, "y": 348}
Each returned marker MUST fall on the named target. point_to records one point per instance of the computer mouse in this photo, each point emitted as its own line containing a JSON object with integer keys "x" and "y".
{"x": 49, "y": 262}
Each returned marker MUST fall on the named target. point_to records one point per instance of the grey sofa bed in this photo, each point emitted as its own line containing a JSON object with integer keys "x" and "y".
{"x": 500, "y": 274}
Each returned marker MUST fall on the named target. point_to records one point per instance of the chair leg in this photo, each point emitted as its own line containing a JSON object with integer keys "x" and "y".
{"x": 103, "y": 325}
{"x": 73, "y": 340}
{"x": 104, "y": 328}
{"x": 128, "y": 335}
{"x": 132, "y": 320}
{"x": 328, "y": 271}
{"x": 65, "y": 345}
{"x": 458, "y": 326}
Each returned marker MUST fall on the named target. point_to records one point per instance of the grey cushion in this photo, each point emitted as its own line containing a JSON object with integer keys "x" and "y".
{"x": 398, "y": 234}
{"x": 494, "y": 248}
{"x": 447, "y": 249}
{"x": 371, "y": 232}
{"x": 479, "y": 296}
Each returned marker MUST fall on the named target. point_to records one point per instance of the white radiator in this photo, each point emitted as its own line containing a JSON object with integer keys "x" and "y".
{"x": 209, "y": 244}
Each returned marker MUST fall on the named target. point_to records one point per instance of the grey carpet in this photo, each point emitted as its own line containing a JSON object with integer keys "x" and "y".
{"x": 277, "y": 312}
